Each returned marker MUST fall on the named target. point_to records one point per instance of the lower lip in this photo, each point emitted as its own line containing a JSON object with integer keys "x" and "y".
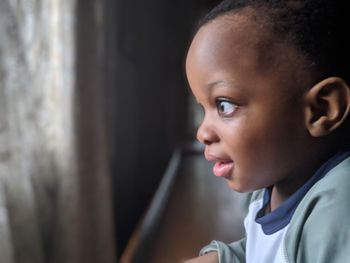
{"x": 222, "y": 169}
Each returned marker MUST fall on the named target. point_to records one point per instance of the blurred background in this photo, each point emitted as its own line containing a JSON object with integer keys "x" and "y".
{"x": 95, "y": 111}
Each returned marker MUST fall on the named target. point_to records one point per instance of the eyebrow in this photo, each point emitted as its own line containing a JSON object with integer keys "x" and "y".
{"x": 230, "y": 84}
{"x": 214, "y": 83}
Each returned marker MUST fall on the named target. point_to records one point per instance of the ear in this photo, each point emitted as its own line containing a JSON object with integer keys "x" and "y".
{"x": 327, "y": 106}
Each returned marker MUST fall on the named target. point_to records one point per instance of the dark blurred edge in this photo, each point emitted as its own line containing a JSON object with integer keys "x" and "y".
{"x": 142, "y": 238}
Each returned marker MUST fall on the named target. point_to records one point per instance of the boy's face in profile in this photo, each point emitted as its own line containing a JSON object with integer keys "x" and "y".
{"x": 251, "y": 88}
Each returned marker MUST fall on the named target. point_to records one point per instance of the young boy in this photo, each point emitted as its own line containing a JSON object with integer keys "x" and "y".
{"x": 272, "y": 78}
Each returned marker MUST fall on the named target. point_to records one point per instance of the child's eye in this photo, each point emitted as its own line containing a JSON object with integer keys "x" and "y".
{"x": 225, "y": 107}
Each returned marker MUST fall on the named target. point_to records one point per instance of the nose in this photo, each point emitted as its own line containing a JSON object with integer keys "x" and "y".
{"x": 206, "y": 134}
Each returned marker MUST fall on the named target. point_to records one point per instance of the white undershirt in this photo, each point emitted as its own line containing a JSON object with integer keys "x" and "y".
{"x": 260, "y": 247}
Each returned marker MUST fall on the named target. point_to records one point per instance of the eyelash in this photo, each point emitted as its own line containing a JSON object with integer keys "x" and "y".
{"x": 221, "y": 110}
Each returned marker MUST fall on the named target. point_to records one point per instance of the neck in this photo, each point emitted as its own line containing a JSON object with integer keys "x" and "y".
{"x": 282, "y": 190}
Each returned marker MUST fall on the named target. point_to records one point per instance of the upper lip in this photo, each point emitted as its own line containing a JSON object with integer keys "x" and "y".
{"x": 214, "y": 158}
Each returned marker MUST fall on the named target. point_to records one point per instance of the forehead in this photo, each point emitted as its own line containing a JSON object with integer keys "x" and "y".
{"x": 242, "y": 41}
{"x": 229, "y": 36}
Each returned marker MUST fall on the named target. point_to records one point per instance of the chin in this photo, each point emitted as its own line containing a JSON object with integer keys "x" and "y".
{"x": 241, "y": 188}
{"x": 238, "y": 187}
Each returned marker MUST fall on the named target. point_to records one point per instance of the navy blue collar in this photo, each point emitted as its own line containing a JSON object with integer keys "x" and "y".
{"x": 281, "y": 216}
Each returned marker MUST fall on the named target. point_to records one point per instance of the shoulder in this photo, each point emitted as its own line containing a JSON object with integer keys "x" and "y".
{"x": 331, "y": 192}
{"x": 337, "y": 178}
{"x": 320, "y": 228}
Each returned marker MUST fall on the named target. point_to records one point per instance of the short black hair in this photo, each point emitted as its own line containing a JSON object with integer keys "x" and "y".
{"x": 317, "y": 28}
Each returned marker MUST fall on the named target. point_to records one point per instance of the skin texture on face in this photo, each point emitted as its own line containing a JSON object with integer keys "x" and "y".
{"x": 251, "y": 86}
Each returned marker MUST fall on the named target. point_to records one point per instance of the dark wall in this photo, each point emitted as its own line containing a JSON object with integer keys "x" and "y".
{"x": 147, "y": 98}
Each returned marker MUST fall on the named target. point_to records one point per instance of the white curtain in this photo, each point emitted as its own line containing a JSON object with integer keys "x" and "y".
{"x": 55, "y": 198}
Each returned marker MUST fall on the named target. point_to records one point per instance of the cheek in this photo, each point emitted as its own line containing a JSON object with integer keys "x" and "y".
{"x": 257, "y": 136}
{"x": 245, "y": 143}
{"x": 256, "y": 144}
{"x": 249, "y": 134}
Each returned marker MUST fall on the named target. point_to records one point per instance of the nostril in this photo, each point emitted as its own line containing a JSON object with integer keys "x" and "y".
{"x": 206, "y": 136}
{"x": 206, "y": 142}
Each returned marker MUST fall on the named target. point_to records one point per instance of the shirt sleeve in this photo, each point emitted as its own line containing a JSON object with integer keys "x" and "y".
{"x": 227, "y": 253}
